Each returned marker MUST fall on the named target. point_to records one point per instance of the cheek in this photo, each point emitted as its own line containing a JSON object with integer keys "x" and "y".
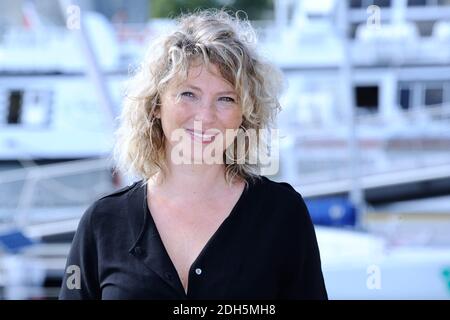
{"x": 231, "y": 119}
{"x": 174, "y": 116}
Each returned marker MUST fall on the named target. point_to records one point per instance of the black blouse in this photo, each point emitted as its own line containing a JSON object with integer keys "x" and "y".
{"x": 265, "y": 249}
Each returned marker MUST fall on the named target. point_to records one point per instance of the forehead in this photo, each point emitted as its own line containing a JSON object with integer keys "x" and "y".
{"x": 203, "y": 76}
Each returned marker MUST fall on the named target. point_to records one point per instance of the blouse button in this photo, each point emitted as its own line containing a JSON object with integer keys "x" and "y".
{"x": 138, "y": 251}
{"x": 198, "y": 271}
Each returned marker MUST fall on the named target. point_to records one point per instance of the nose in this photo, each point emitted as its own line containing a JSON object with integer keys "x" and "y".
{"x": 206, "y": 112}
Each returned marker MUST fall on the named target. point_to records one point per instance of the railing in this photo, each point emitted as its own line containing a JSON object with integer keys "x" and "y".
{"x": 45, "y": 200}
{"x": 319, "y": 186}
{"x": 431, "y": 114}
{"x": 417, "y": 51}
{"x": 51, "y": 192}
{"x": 417, "y": 139}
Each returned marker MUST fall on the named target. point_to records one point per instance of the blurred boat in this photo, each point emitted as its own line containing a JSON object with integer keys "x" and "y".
{"x": 400, "y": 97}
{"x": 50, "y": 108}
{"x": 361, "y": 266}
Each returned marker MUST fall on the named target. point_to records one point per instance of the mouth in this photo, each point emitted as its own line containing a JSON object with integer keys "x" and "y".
{"x": 201, "y": 136}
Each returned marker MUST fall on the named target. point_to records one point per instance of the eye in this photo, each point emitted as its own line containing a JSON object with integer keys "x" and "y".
{"x": 187, "y": 94}
{"x": 227, "y": 99}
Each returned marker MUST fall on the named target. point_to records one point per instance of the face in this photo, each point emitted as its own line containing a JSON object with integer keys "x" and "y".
{"x": 198, "y": 111}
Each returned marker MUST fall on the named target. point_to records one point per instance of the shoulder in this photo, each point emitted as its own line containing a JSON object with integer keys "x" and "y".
{"x": 121, "y": 193}
{"x": 283, "y": 203}
{"x": 280, "y": 192}
{"x": 112, "y": 204}
{"x": 284, "y": 208}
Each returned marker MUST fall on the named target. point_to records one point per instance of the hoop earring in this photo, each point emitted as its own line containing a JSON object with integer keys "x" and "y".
{"x": 246, "y": 151}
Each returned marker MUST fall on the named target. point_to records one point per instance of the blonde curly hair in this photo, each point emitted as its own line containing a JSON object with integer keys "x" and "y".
{"x": 215, "y": 37}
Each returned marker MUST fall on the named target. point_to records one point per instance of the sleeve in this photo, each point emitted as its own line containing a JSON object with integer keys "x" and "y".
{"x": 80, "y": 280}
{"x": 304, "y": 279}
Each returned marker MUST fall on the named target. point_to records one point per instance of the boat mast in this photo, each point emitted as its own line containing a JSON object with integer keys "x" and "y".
{"x": 356, "y": 195}
{"x": 93, "y": 69}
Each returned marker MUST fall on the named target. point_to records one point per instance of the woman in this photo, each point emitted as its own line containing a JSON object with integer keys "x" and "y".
{"x": 202, "y": 223}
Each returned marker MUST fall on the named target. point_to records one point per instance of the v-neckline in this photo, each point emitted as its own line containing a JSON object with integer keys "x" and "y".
{"x": 208, "y": 243}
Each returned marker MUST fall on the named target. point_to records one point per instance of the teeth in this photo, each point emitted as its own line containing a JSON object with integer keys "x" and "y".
{"x": 201, "y": 136}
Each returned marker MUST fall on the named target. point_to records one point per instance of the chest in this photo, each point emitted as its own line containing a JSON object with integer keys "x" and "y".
{"x": 185, "y": 236}
{"x": 186, "y": 229}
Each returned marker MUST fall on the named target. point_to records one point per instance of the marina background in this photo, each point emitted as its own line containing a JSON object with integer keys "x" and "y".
{"x": 365, "y": 131}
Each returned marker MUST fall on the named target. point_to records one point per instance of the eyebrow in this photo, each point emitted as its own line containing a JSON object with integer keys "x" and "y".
{"x": 221, "y": 92}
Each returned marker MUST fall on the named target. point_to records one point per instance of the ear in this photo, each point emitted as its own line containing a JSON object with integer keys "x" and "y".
{"x": 157, "y": 113}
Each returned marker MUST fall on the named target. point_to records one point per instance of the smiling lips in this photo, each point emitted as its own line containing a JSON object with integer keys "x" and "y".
{"x": 204, "y": 138}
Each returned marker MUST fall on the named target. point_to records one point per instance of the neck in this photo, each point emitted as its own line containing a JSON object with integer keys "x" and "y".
{"x": 195, "y": 180}
{"x": 191, "y": 181}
